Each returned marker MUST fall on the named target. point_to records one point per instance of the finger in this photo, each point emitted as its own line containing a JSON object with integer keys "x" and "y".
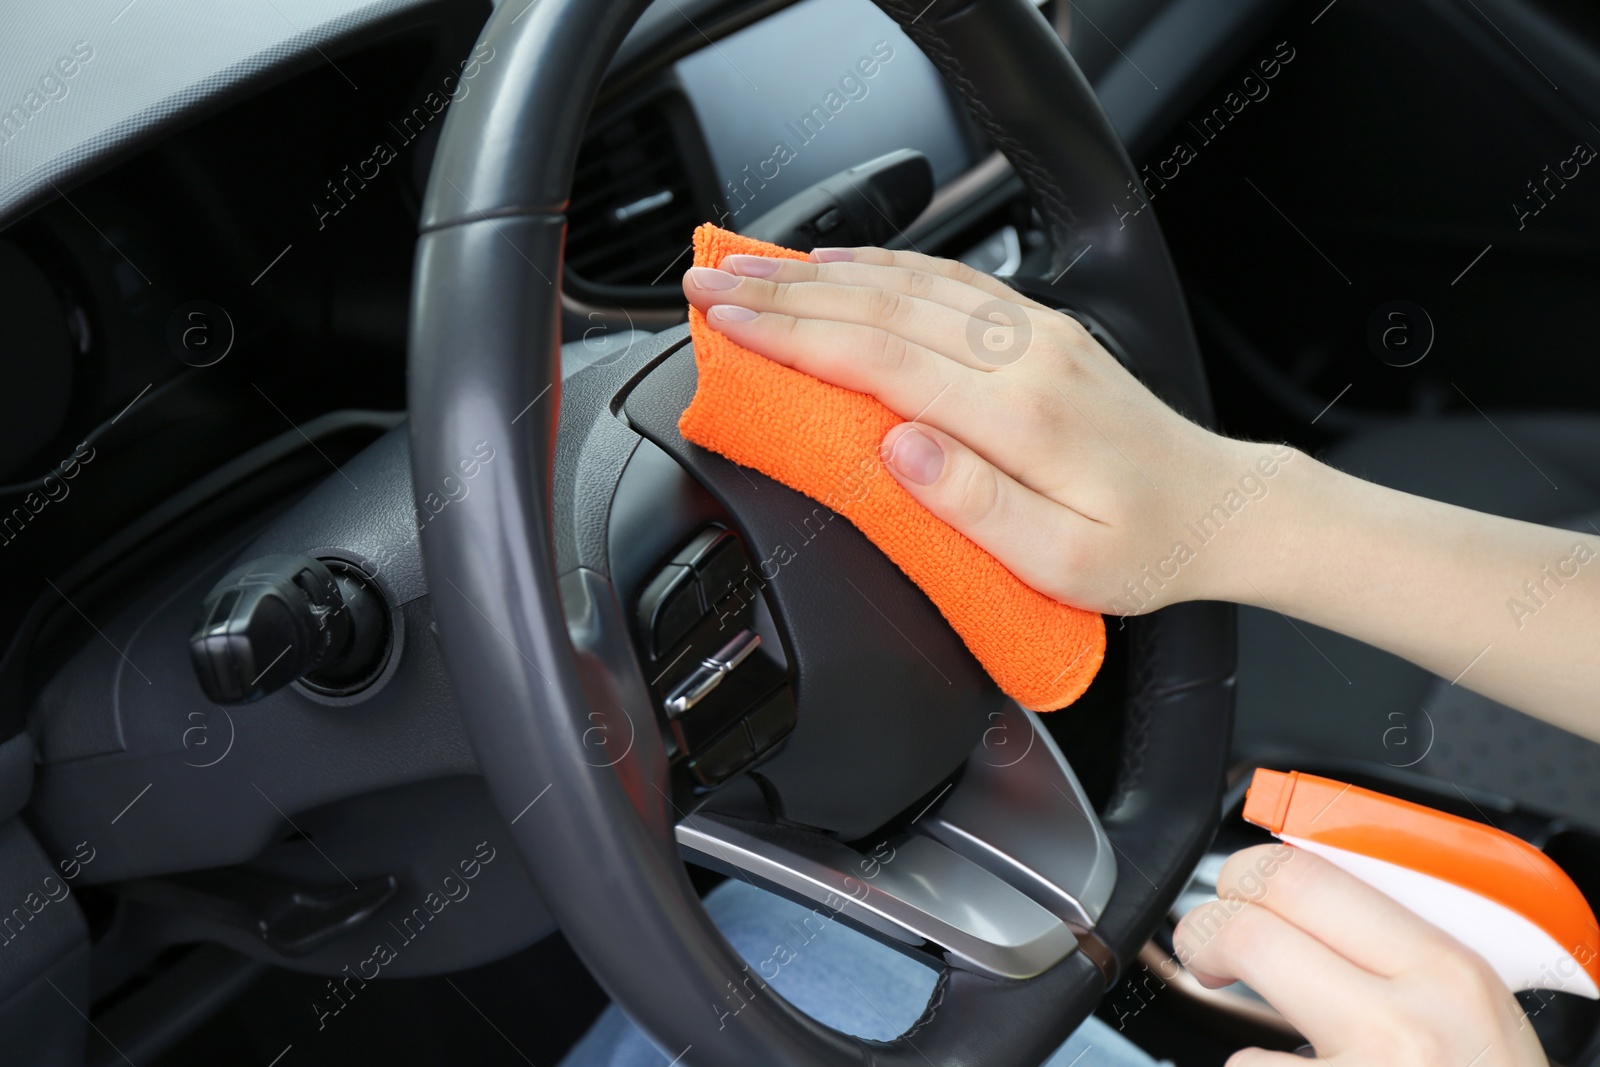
{"x": 1322, "y": 994}
{"x": 998, "y": 330}
{"x": 914, "y": 383}
{"x": 948, "y": 268}
{"x": 910, "y": 281}
{"x": 1320, "y": 899}
{"x": 1036, "y": 538}
{"x": 953, "y": 334}
{"x": 905, "y": 376}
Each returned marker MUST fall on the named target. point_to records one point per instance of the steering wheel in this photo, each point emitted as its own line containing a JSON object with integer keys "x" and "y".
{"x": 878, "y": 796}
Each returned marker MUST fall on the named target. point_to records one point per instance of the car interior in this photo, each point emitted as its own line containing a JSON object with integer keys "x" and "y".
{"x": 371, "y": 309}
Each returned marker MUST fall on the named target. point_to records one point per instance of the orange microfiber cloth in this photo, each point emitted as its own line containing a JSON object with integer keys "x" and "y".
{"x": 823, "y": 441}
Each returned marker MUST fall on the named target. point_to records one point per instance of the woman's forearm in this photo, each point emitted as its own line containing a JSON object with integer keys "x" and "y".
{"x": 1505, "y": 608}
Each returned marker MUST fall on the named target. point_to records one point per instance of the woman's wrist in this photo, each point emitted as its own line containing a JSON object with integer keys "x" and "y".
{"x": 1304, "y": 538}
{"x": 1262, "y": 523}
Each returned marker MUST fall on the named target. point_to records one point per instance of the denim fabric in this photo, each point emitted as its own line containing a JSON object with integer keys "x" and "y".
{"x": 832, "y": 973}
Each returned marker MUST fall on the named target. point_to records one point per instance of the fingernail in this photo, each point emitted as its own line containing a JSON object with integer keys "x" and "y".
{"x": 917, "y": 457}
{"x": 833, "y": 255}
{"x": 711, "y": 278}
{"x": 731, "y": 313}
{"x": 751, "y": 266}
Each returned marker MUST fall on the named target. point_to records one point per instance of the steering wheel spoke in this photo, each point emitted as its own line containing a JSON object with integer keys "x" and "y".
{"x": 910, "y": 891}
{"x": 998, "y": 874}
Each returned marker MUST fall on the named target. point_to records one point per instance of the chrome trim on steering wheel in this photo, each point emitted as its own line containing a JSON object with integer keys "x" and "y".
{"x": 912, "y": 889}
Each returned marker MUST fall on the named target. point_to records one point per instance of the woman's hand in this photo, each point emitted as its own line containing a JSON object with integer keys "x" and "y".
{"x": 1029, "y": 438}
{"x": 1367, "y": 981}
{"x": 1021, "y": 431}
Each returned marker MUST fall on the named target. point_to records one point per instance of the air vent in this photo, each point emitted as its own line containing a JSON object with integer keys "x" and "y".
{"x": 634, "y": 204}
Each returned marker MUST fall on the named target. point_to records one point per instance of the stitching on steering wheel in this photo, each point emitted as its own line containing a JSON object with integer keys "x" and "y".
{"x": 1051, "y": 201}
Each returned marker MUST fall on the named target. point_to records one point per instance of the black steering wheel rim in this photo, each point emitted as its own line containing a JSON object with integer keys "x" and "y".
{"x": 484, "y": 364}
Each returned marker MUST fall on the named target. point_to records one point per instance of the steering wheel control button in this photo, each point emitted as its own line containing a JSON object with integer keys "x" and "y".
{"x": 669, "y": 608}
{"x": 700, "y": 545}
{"x": 718, "y": 559}
{"x": 723, "y": 758}
{"x": 711, "y": 672}
{"x": 736, "y": 651}
{"x": 699, "y": 624}
{"x": 722, "y": 569}
{"x": 693, "y": 690}
{"x": 772, "y": 721}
